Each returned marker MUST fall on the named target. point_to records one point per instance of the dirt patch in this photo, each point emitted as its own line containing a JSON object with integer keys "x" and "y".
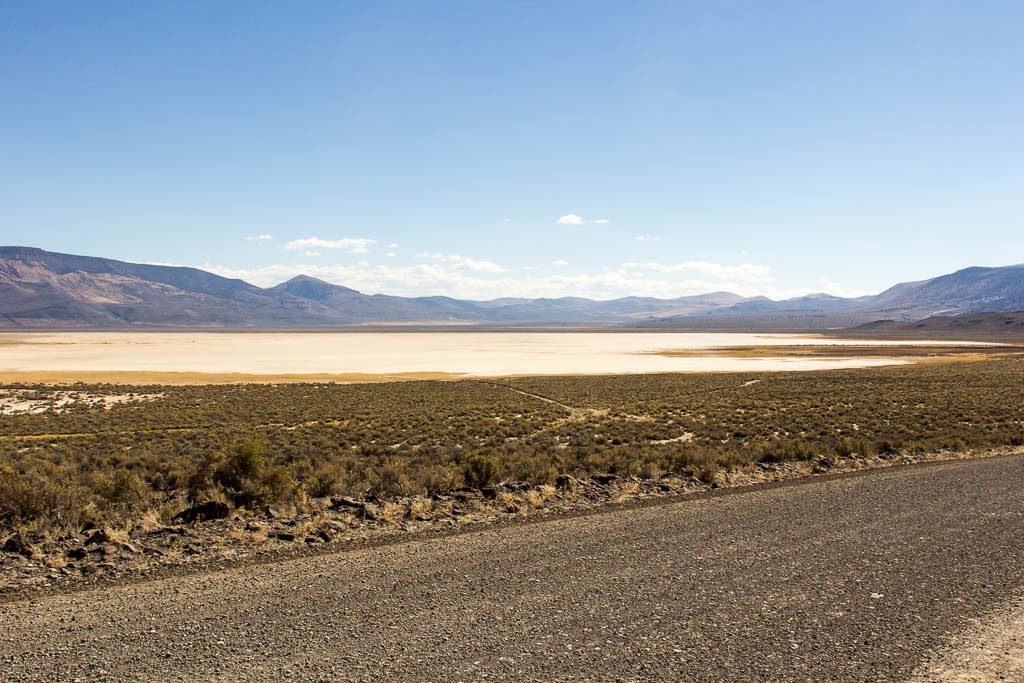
{"x": 991, "y": 650}
{"x": 35, "y": 401}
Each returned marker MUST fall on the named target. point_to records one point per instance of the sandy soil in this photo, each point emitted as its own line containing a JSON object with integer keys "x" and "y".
{"x": 19, "y": 401}
{"x": 992, "y": 649}
{"x": 197, "y": 357}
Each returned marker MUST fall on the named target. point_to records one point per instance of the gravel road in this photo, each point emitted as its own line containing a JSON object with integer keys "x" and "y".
{"x": 855, "y": 578}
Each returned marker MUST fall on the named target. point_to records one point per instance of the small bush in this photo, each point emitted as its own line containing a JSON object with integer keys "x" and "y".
{"x": 479, "y": 472}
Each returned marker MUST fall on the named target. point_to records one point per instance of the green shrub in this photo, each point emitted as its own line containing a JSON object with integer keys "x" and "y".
{"x": 479, "y": 472}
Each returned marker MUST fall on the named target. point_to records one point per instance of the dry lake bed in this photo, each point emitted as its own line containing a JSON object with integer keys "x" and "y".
{"x": 196, "y": 357}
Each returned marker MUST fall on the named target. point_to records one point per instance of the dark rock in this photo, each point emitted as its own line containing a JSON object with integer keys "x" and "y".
{"x": 489, "y": 492}
{"x": 826, "y": 462}
{"x": 204, "y": 511}
{"x": 369, "y": 511}
{"x": 363, "y": 509}
{"x": 100, "y": 536}
{"x": 77, "y": 553}
{"x": 344, "y": 502}
{"x": 603, "y": 479}
{"x": 19, "y": 545}
{"x": 565, "y": 483}
{"x": 284, "y": 536}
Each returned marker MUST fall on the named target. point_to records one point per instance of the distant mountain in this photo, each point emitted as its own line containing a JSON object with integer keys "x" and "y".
{"x": 44, "y": 289}
{"x": 974, "y": 325}
{"x": 971, "y": 290}
{"x": 41, "y": 289}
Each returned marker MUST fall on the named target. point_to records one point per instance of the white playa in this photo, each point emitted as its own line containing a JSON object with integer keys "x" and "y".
{"x": 395, "y": 353}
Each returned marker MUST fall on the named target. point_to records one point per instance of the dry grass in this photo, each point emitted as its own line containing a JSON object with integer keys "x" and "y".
{"x": 287, "y": 445}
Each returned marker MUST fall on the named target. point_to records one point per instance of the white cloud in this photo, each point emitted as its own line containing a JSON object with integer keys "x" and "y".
{"x": 462, "y": 262}
{"x": 835, "y": 289}
{"x": 312, "y": 253}
{"x": 351, "y": 245}
{"x": 559, "y": 262}
{"x": 746, "y": 272}
{"x": 393, "y": 245}
{"x": 602, "y": 221}
{"x": 570, "y": 219}
{"x": 259, "y": 238}
{"x": 391, "y": 254}
{"x": 645, "y": 238}
{"x": 456, "y": 277}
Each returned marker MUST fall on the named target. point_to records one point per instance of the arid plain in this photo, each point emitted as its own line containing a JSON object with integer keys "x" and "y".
{"x": 187, "y": 357}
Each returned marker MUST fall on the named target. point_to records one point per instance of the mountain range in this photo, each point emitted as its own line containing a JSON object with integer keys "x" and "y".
{"x": 44, "y": 290}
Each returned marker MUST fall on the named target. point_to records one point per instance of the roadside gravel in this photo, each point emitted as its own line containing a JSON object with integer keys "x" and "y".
{"x": 847, "y": 579}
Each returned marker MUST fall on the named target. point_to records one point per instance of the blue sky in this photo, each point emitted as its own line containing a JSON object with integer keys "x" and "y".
{"x": 776, "y": 148}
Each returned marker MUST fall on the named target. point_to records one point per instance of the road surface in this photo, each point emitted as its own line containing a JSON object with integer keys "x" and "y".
{"x": 856, "y": 578}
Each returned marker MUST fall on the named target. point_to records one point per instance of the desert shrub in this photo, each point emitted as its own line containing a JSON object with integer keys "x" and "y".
{"x": 479, "y": 472}
{"x": 255, "y": 444}
{"x": 125, "y": 491}
{"x": 890, "y": 446}
{"x": 848, "y": 446}
{"x": 32, "y": 500}
{"x": 394, "y": 480}
{"x": 242, "y": 476}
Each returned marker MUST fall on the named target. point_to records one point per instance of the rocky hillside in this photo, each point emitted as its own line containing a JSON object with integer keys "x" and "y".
{"x": 971, "y": 325}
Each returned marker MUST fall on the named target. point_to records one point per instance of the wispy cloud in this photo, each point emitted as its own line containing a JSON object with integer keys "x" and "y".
{"x": 645, "y": 238}
{"x": 746, "y": 272}
{"x": 559, "y": 262}
{"x": 463, "y": 262}
{"x": 464, "y": 278}
{"x": 602, "y": 221}
{"x": 570, "y": 219}
{"x": 259, "y": 238}
{"x": 351, "y": 245}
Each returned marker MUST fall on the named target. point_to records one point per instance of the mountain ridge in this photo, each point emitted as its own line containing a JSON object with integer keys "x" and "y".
{"x": 41, "y": 289}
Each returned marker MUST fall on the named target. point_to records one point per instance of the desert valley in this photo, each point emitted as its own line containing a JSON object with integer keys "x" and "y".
{"x": 533, "y": 342}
